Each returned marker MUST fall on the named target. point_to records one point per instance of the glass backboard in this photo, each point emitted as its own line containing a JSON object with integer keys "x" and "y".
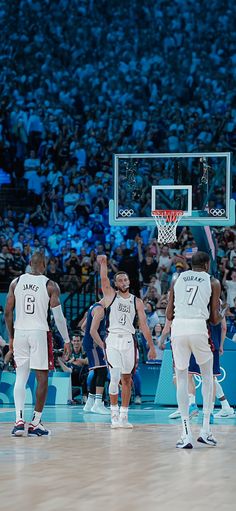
{"x": 199, "y": 184}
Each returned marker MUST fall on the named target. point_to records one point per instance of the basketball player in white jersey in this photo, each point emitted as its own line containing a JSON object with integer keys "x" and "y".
{"x": 31, "y": 295}
{"x": 194, "y": 298}
{"x": 120, "y": 345}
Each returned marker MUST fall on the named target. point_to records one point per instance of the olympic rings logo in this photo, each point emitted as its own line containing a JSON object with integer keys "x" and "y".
{"x": 198, "y": 380}
{"x": 222, "y": 376}
{"x": 126, "y": 212}
{"x": 217, "y": 212}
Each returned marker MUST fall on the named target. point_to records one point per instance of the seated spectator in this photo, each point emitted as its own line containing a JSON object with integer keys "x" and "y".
{"x": 86, "y": 269}
{"x": 165, "y": 260}
{"x": 151, "y": 294}
{"x": 73, "y": 261}
{"x": 17, "y": 265}
{"x": 38, "y": 217}
{"x": 152, "y": 321}
{"x": 70, "y": 282}
{"x": 70, "y": 199}
{"x": 229, "y": 283}
{"x": 77, "y": 365}
{"x": 148, "y": 265}
{"x": 53, "y": 270}
{"x": 161, "y": 308}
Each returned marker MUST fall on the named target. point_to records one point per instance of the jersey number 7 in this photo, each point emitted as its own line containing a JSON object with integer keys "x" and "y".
{"x": 193, "y": 291}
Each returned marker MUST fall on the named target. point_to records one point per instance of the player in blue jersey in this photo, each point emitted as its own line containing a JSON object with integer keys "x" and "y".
{"x": 94, "y": 347}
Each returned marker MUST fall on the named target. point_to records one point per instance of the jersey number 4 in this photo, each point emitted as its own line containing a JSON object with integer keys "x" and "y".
{"x": 29, "y": 305}
{"x": 122, "y": 319}
{"x": 193, "y": 291}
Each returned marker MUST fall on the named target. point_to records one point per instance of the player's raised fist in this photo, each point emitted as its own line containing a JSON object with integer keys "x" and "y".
{"x": 101, "y": 259}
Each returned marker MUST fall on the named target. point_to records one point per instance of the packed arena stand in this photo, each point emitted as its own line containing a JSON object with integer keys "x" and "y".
{"x": 66, "y": 107}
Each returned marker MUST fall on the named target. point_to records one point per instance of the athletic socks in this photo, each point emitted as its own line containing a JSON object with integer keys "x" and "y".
{"x": 192, "y": 399}
{"x": 36, "y": 418}
{"x": 225, "y": 404}
{"x": 220, "y": 395}
{"x": 115, "y": 408}
{"x": 206, "y": 422}
{"x": 91, "y": 398}
{"x": 186, "y": 426}
{"x": 98, "y": 399}
{"x": 123, "y": 412}
{"x": 19, "y": 415}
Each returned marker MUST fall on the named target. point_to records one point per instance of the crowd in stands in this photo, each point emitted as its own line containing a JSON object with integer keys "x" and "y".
{"x": 81, "y": 80}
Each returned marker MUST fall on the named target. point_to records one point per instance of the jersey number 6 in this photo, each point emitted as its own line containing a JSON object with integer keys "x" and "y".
{"x": 29, "y": 305}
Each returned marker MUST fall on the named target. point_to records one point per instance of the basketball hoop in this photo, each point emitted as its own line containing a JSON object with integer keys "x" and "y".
{"x": 166, "y": 222}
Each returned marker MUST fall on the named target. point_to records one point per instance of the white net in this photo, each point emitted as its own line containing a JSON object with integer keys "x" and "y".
{"x": 167, "y": 221}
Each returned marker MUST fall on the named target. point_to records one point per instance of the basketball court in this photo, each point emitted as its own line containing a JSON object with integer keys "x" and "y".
{"x": 85, "y": 465}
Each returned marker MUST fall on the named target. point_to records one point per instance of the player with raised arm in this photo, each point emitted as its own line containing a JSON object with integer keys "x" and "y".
{"x": 193, "y": 299}
{"x": 30, "y": 296}
{"x": 122, "y": 308}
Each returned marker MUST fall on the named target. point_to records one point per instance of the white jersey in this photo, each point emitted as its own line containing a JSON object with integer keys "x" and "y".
{"x": 121, "y": 314}
{"x": 192, "y": 292}
{"x": 31, "y": 302}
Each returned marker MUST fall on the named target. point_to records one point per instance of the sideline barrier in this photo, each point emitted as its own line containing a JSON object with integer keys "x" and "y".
{"x": 166, "y": 392}
{"x": 59, "y": 388}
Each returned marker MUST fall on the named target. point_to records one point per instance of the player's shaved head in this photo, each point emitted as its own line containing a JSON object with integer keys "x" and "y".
{"x": 200, "y": 260}
{"x": 37, "y": 261}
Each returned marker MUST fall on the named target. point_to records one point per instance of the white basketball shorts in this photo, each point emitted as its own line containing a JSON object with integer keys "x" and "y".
{"x": 32, "y": 346}
{"x": 190, "y": 336}
{"x": 120, "y": 352}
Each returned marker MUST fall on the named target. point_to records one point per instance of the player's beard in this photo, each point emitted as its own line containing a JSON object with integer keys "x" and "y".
{"x": 123, "y": 290}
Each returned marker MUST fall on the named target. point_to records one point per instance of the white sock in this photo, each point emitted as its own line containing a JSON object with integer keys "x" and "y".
{"x": 91, "y": 398}
{"x": 98, "y": 399}
{"x": 114, "y": 411}
{"x": 192, "y": 399}
{"x": 186, "y": 426}
{"x": 225, "y": 404}
{"x": 207, "y": 393}
{"x": 22, "y": 374}
{"x": 124, "y": 412}
{"x": 183, "y": 398}
{"x": 36, "y": 418}
{"x": 19, "y": 415}
{"x": 115, "y": 408}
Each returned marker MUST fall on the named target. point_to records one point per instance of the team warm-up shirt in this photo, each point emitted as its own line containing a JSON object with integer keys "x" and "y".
{"x": 88, "y": 342}
{"x": 121, "y": 315}
{"x": 31, "y": 302}
{"x": 192, "y": 292}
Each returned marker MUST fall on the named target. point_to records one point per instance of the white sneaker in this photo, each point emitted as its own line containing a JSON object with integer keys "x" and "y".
{"x": 115, "y": 420}
{"x": 185, "y": 442}
{"x": 124, "y": 422}
{"x": 100, "y": 408}
{"x": 138, "y": 400}
{"x": 227, "y": 413}
{"x": 207, "y": 438}
{"x": 175, "y": 415}
{"x": 88, "y": 406}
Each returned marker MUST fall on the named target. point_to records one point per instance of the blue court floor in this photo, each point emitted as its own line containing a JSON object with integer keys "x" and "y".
{"x": 138, "y": 414}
